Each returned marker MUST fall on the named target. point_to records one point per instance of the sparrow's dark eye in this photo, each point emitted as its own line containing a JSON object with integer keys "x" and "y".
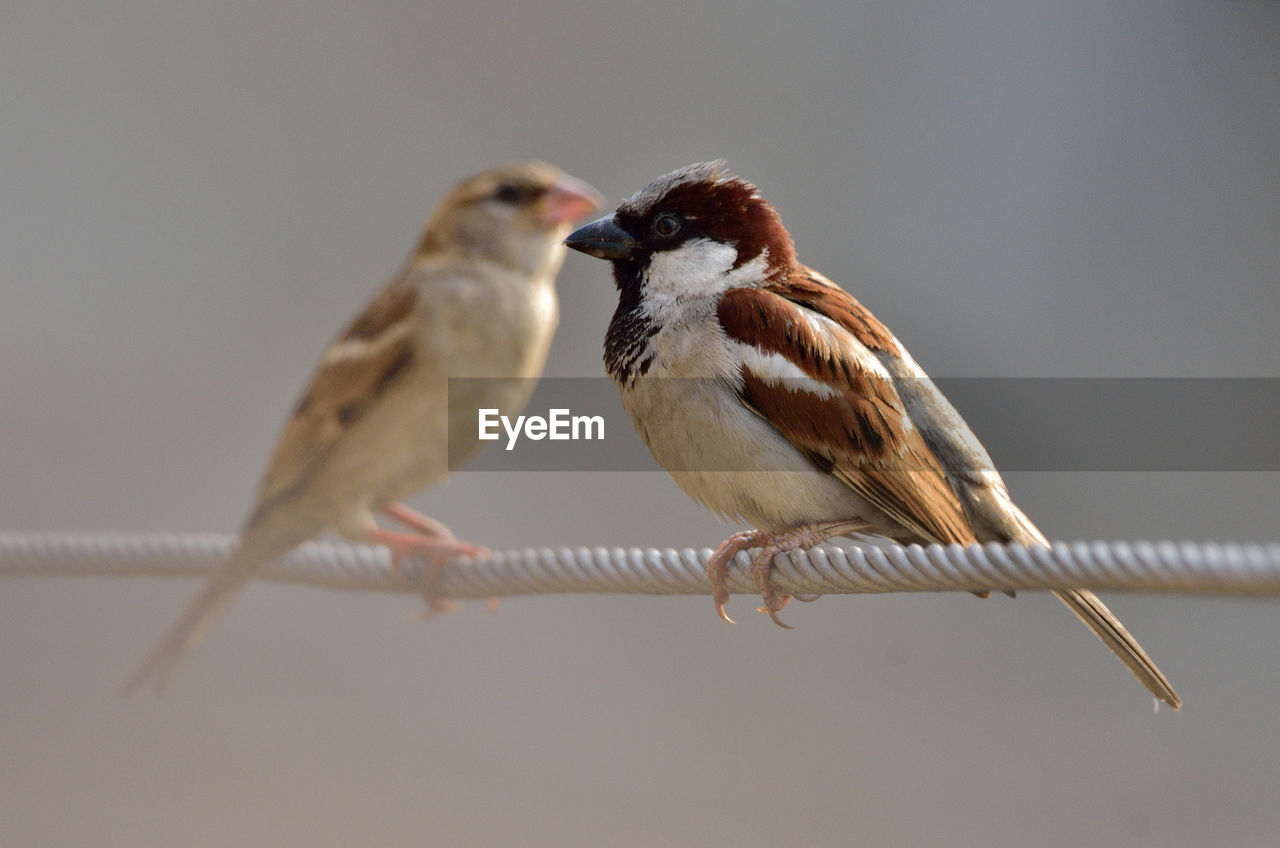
{"x": 515, "y": 194}
{"x": 666, "y": 225}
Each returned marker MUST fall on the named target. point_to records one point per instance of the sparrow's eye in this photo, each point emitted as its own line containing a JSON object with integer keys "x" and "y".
{"x": 666, "y": 225}
{"x": 515, "y": 194}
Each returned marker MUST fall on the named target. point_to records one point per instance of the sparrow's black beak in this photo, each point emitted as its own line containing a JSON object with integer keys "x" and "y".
{"x": 603, "y": 239}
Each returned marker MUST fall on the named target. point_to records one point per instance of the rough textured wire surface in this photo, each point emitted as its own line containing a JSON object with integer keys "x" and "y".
{"x": 1184, "y": 567}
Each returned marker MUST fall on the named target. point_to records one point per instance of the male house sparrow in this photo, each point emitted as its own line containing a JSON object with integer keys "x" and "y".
{"x": 774, "y": 397}
{"x": 475, "y": 299}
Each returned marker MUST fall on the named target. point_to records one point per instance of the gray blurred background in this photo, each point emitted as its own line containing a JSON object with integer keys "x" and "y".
{"x": 195, "y": 196}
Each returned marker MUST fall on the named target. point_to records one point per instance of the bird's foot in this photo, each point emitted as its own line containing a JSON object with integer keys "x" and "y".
{"x": 802, "y": 536}
{"x": 436, "y": 552}
{"x": 414, "y": 520}
{"x": 718, "y": 565}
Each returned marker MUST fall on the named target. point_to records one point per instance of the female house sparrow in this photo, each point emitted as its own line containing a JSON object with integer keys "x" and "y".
{"x": 475, "y": 299}
{"x": 774, "y": 397}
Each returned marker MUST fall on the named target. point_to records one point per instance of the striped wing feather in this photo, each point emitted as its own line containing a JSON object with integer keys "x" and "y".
{"x": 845, "y": 413}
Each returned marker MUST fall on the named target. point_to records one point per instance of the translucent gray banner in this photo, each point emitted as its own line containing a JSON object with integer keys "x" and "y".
{"x": 1026, "y": 424}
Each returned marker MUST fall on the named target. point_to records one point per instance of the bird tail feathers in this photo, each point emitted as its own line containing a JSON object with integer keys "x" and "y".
{"x": 1090, "y": 609}
{"x": 262, "y": 543}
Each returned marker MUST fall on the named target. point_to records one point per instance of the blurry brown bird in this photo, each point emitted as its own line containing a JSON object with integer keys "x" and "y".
{"x": 375, "y": 424}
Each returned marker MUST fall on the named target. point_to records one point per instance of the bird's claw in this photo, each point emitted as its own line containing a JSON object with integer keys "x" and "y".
{"x": 437, "y": 562}
{"x": 437, "y": 552}
{"x": 720, "y": 602}
{"x": 470, "y": 551}
{"x": 762, "y": 577}
{"x": 718, "y": 567}
{"x": 774, "y": 615}
{"x": 803, "y": 536}
{"x": 436, "y": 605}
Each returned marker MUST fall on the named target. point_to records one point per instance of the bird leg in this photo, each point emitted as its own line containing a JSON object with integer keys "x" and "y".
{"x": 435, "y": 549}
{"x": 429, "y": 526}
{"x": 414, "y": 520}
{"x": 771, "y": 543}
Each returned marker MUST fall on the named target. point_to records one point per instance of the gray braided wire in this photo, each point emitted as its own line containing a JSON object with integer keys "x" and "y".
{"x": 1201, "y": 568}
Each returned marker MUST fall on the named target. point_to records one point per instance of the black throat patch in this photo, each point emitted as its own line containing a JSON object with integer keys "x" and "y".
{"x": 626, "y": 343}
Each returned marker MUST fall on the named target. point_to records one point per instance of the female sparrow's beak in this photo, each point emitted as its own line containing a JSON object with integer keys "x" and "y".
{"x": 603, "y": 239}
{"x": 569, "y": 199}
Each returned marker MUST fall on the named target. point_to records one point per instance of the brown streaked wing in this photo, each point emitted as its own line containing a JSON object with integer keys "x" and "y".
{"x": 390, "y": 306}
{"x": 860, "y": 433}
{"x": 371, "y": 351}
{"x": 813, "y": 290}
{"x": 771, "y": 321}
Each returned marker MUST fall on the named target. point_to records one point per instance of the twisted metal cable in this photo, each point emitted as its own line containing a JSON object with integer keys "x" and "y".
{"x": 1200, "y": 568}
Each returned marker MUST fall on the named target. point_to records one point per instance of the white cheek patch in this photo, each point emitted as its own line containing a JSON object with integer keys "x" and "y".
{"x": 753, "y": 272}
{"x": 699, "y": 270}
{"x": 775, "y": 369}
{"x": 698, "y": 267}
